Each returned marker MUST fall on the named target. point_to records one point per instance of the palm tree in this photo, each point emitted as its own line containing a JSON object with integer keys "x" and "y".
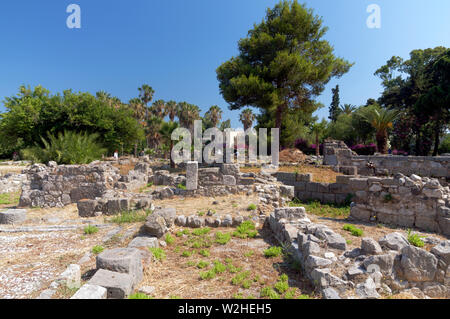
{"x": 318, "y": 129}
{"x": 247, "y": 117}
{"x": 146, "y": 93}
{"x": 165, "y": 132}
{"x": 382, "y": 121}
{"x": 214, "y": 115}
{"x": 153, "y": 126}
{"x": 171, "y": 110}
{"x": 187, "y": 114}
{"x": 138, "y": 109}
{"x": 347, "y": 109}
{"x": 159, "y": 108}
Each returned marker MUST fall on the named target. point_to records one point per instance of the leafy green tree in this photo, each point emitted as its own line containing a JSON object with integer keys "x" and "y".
{"x": 283, "y": 63}
{"x": 404, "y": 82}
{"x": 336, "y": 102}
{"x": 436, "y": 101}
{"x": 35, "y": 112}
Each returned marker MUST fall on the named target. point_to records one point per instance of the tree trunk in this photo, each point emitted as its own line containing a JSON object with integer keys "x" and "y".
{"x": 317, "y": 145}
{"x": 382, "y": 142}
{"x": 437, "y": 134}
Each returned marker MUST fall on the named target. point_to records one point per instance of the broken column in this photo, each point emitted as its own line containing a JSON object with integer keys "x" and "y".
{"x": 191, "y": 175}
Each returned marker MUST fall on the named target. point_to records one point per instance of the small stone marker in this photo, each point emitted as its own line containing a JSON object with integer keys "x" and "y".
{"x": 90, "y": 292}
{"x": 118, "y": 285}
{"x": 191, "y": 176}
{"x": 122, "y": 260}
{"x": 13, "y": 216}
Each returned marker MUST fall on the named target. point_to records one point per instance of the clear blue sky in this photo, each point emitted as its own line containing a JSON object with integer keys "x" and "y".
{"x": 176, "y": 45}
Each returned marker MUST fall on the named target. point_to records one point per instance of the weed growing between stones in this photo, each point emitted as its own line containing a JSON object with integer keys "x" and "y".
{"x": 97, "y": 249}
{"x": 130, "y": 217}
{"x": 139, "y": 295}
{"x": 324, "y": 210}
{"x": 158, "y": 253}
{"x": 415, "y": 239}
{"x": 273, "y": 251}
{"x": 170, "y": 239}
{"x": 251, "y": 207}
{"x": 90, "y": 230}
{"x": 353, "y": 230}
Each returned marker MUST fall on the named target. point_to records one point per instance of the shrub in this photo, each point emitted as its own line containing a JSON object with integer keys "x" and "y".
{"x": 181, "y": 186}
{"x": 282, "y": 285}
{"x": 89, "y": 230}
{"x": 66, "y": 148}
{"x": 219, "y": 267}
{"x": 186, "y": 253}
{"x": 97, "y": 249}
{"x": 158, "y": 253}
{"x": 273, "y": 252}
{"x": 210, "y": 274}
{"x": 415, "y": 239}
{"x": 222, "y": 239}
{"x": 362, "y": 149}
{"x": 353, "y": 230}
{"x": 251, "y": 207}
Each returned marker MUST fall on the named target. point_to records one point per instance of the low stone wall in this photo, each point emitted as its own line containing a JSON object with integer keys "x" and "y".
{"x": 11, "y": 183}
{"x": 58, "y": 186}
{"x": 305, "y": 189}
{"x": 337, "y": 154}
{"x": 403, "y": 201}
{"x": 382, "y": 267}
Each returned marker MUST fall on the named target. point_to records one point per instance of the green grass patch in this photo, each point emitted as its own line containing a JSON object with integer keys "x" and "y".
{"x": 202, "y": 264}
{"x": 204, "y": 253}
{"x": 222, "y": 238}
{"x": 181, "y": 186}
{"x": 207, "y": 275}
{"x": 251, "y": 207}
{"x": 353, "y": 230}
{"x": 273, "y": 251}
{"x": 246, "y": 230}
{"x": 9, "y": 198}
{"x": 240, "y": 278}
{"x": 182, "y": 232}
{"x": 269, "y": 292}
{"x": 201, "y": 231}
{"x": 249, "y": 253}
{"x": 89, "y": 230}
{"x": 324, "y": 210}
{"x": 282, "y": 285}
{"x": 170, "y": 239}
{"x": 128, "y": 217}
{"x": 186, "y": 254}
{"x": 158, "y": 253}
{"x": 97, "y": 249}
{"x": 139, "y": 295}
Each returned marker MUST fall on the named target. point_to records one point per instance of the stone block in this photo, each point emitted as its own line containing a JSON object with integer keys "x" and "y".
{"x": 122, "y": 260}
{"x": 88, "y": 291}
{"x": 118, "y": 285}
{"x": 13, "y": 216}
{"x": 229, "y": 180}
{"x": 191, "y": 175}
